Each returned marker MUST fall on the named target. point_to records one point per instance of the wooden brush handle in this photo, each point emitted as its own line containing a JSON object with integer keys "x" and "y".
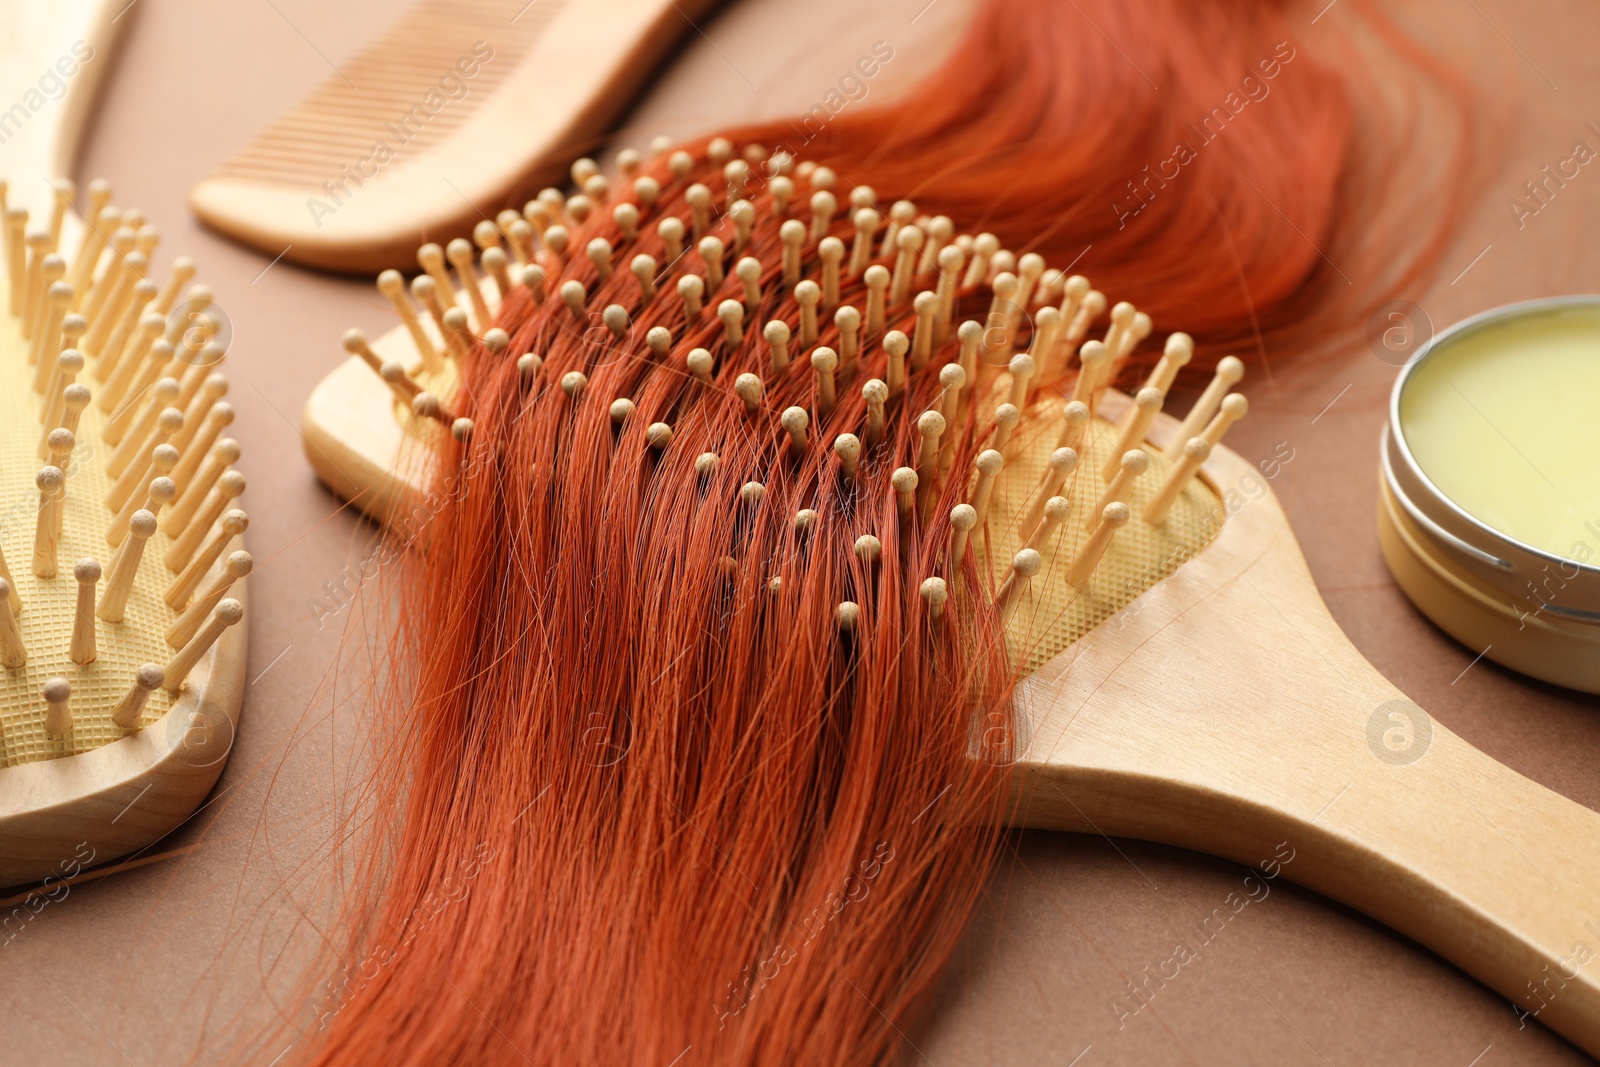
{"x": 1227, "y": 712}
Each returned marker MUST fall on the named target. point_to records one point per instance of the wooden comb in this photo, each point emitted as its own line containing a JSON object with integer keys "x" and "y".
{"x": 454, "y": 105}
{"x": 1183, "y": 681}
{"x": 121, "y": 667}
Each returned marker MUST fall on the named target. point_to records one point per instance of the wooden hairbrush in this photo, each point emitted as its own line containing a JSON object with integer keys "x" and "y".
{"x": 1182, "y": 680}
{"x": 454, "y": 105}
{"x": 121, "y": 664}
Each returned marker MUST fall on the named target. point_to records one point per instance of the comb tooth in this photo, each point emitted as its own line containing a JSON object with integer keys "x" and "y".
{"x": 621, "y": 408}
{"x": 573, "y": 383}
{"x": 99, "y": 199}
{"x": 1049, "y": 290}
{"x": 13, "y": 654}
{"x": 659, "y": 340}
{"x": 808, "y": 294}
{"x": 196, "y": 374}
{"x": 658, "y": 435}
{"x": 494, "y": 264}
{"x": 146, "y": 680}
{"x": 705, "y": 465}
{"x": 648, "y": 191}
{"x": 748, "y": 271}
{"x": 904, "y": 481}
{"x": 1004, "y": 262}
{"x": 1132, "y": 464}
{"x": 183, "y": 587}
{"x": 1228, "y": 373}
{"x": 825, "y": 362}
{"x": 82, "y": 649}
{"x": 935, "y": 593}
{"x": 57, "y": 707}
{"x": 1046, "y": 328}
{"x": 1112, "y": 519}
{"x": 848, "y": 320}
{"x": 830, "y": 252}
{"x": 226, "y": 614}
{"x": 793, "y": 235}
{"x": 1195, "y": 452}
{"x": 1146, "y": 405}
{"x": 52, "y": 484}
{"x": 182, "y": 550}
{"x": 596, "y": 190}
{"x": 847, "y": 615}
{"x": 182, "y": 631}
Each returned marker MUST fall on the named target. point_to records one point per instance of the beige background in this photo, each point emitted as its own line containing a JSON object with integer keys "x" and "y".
{"x": 137, "y": 969}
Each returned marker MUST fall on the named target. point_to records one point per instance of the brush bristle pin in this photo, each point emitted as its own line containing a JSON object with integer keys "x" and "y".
{"x": 113, "y": 410}
{"x": 923, "y": 367}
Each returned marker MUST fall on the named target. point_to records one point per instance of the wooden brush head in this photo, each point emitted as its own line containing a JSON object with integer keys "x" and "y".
{"x": 1179, "y": 678}
{"x": 123, "y": 663}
